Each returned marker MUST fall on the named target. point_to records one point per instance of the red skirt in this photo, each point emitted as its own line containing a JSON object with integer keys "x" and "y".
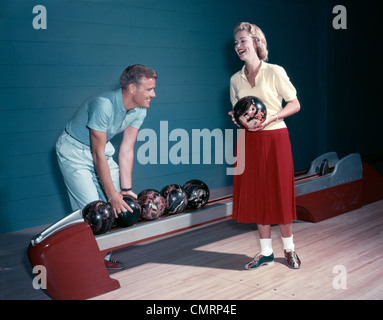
{"x": 265, "y": 192}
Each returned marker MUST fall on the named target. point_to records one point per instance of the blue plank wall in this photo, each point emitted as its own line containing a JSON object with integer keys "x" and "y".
{"x": 46, "y": 74}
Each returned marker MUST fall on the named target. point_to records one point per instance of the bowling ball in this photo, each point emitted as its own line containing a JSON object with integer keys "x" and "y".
{"x": 99, "y": 215}
{"x": 249, "y": 112}
{"x": 145, "y": 192}
{"x": 152, "y": 204}
{"x": 197, "y": 193}
{"x": 175, "y": 198}
{"x": 127, "y": 218}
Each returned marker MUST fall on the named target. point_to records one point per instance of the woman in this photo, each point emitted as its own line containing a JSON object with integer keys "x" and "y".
{"x": 265, "y": 192}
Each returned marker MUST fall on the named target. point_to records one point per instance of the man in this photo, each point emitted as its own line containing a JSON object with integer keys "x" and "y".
{"x": 85, "y": 154}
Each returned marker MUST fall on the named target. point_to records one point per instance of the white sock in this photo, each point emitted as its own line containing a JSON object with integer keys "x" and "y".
{"x": 108, "y": 255}
{"x": 266, "y": 247}
{"x": 288, "y": 243}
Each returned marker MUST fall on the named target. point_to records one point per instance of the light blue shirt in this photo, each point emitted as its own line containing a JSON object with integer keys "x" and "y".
{"x": 105, "y": 113}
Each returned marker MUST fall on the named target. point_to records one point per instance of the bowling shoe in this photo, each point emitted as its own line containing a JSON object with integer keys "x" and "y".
{"x": 259, "y": 260}
{"x": 113, "y": 265}
{"x": 293, "y": 260}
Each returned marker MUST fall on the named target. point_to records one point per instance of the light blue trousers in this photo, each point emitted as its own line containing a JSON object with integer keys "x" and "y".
{"x": 77, "y": 167}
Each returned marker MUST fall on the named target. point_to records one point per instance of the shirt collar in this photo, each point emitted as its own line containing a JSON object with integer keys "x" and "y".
{"x": 263, "y": 67}
{"x": 120, "y": 104}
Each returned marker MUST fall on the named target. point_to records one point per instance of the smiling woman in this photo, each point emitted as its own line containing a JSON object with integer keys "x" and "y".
{"x": 264, "y": 192}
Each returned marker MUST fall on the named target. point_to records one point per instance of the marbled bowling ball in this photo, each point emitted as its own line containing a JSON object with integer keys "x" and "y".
{"x": 99, "y": 215}
{"x": 175, "y": 198}
{"x": 197, "y": 193}
{"x": 127, "y": 218}
{"x": 249, "y": 112}
{"x": 146, "y": 191}
{"x": 152, "y": 204}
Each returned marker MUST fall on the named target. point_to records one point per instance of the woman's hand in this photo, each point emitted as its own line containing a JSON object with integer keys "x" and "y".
{"x": 263, "y": 125}
{"x": 231, "y": 113}
{"x": 258, "y": 128}
{"x": 291, "y": 108}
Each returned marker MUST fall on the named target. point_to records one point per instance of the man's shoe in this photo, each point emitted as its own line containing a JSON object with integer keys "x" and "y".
{"x": 293, "y": 260}
{"x": 259, "y": 260}
{"x": 113, "y": 265}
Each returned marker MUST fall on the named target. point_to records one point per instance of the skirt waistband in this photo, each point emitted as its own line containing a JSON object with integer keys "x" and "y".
{"x": 268, "y": 132}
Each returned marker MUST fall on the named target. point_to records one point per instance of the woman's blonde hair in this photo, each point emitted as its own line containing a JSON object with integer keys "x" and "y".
{"x": 258, "y": 36}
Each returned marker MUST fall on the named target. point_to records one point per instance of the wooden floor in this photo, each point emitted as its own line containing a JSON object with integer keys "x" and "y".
{"x": 206, "y": 263}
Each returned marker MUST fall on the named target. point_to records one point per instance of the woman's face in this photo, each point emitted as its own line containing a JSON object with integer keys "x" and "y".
{"x": 245, "y": 46}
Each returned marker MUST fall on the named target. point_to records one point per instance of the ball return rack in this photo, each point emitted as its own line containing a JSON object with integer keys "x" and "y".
{"x": 74, "y": 257}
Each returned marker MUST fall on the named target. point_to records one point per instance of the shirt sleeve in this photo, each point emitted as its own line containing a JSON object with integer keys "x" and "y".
{"x": 284, "y": 86}
{"x": 99, "y": 114}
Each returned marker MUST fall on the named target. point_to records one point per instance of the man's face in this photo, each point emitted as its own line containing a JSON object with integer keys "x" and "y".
{"x": 144, "y": 93}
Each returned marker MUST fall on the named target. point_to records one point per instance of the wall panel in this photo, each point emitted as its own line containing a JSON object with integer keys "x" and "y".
{"x": 45, "y": 75}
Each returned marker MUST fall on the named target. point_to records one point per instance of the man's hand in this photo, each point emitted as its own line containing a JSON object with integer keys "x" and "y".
{"x": 118, "y": 204}
{"x": 129, "y": 193}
